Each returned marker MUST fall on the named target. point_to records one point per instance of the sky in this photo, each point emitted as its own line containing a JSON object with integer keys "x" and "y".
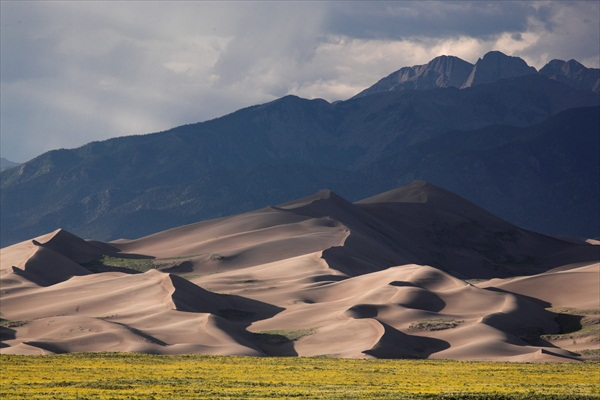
{"x": 72, "y": 72}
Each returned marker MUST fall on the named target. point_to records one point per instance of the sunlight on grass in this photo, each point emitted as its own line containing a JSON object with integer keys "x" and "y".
{"x": 139, "y": 376}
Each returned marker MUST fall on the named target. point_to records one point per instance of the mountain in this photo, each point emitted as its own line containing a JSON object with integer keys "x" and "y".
{"x": 450, "y": 71}
{"x": 383, "y": 277}
{"x": 508, "y": 169}
{"x": 132, "y": 186}
{"x": 495, "y": 66}
{"x": 443, "y": 71}
{"x": 6, "y": 164}
{"x": 573, "y": 74}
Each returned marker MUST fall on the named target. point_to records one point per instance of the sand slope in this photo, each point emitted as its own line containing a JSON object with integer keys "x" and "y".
{"x": 386, "y": 277}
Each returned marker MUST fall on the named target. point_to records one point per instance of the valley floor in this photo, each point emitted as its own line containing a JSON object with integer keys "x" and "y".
{"x": 143, "y": 376}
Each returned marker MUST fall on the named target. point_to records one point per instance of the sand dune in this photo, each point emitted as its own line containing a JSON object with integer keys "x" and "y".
{"x": 553, "y": 286}
{"x": 385, "y": 277}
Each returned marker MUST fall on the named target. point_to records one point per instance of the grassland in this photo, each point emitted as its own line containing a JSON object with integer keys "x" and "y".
{"x": 136, "y": 376}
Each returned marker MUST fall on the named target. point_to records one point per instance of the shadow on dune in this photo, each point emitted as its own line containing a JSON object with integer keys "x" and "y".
{"x": 360, "y": 311}
{"x": 181, "y": 268}
{"x": 192, "y": 298}
{"x": 426, "y": 225}
{"x": 275, "y": 345}
{"x": 49, "y": 347}
{"x": 395, "y": 344}
{"x": 328, "y": 278}
{"x": 525, "y": 320}
{"x": 6, "y": 334}
{"x": 541, "y": 303}
{"x": 30, "y": 277}
{"x": 234, "y": 314}
{"x": 269, "y": 343}
{"x": 140, "y": 333}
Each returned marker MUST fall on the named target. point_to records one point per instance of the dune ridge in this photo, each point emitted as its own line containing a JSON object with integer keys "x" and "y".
{"x": 416, "y": 272}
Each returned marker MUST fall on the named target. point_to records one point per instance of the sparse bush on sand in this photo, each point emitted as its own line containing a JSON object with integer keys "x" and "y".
{"x": 108, "y": 263}
{"x": 290, "y": 335}
{"x": 435, "y": 324}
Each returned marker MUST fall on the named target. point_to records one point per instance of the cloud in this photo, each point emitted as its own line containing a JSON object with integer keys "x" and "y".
{"x": 405, "y": 19}
{"x": 73, "y": 72}
{"x": 567, "y": 31}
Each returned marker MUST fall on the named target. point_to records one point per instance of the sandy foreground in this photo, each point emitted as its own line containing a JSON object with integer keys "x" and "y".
{"x": 416, "y": 272}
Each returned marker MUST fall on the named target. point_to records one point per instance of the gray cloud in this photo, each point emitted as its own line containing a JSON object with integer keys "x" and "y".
{"x": 405, "y": 19}
{"x": 73, "y": 72}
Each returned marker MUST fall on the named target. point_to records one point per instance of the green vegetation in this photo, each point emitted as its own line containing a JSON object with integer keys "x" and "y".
{"x": 143, "y": 376}
{"x": 575, "y": 311}
{"x": 590, "y": 353}
{"x": 435, "y": 324}
{"x": 181, "y": 257}
{"x": 7, "y": 323}
{"x": 132, "y": 265}
{"x": 579, "y": 326}
{"x": 137, "y": 265}
{"x": 576, "y": 323}
{"x": 280, "y": 336}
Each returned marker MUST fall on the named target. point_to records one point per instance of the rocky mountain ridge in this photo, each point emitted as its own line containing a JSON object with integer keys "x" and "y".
{"x": 450, "y": 71}
{"x": 574, "y": 74}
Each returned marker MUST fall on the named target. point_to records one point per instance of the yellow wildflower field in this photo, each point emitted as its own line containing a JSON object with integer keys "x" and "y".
{"x": 142, "y": 376}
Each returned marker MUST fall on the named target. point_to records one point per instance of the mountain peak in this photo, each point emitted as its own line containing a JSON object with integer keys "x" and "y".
{"x": 565, "y": 67}
{"x": 442, "y": 71}
{"x": 574, "y": 65}
{"x": 450, "y": 71}
{"x": 496, "y": 65}
{"x": 6, "y": 164}
{"x": 573, "y": 74}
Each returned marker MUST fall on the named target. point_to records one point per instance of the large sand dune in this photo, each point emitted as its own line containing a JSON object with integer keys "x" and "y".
{"x": 415, "y": 272}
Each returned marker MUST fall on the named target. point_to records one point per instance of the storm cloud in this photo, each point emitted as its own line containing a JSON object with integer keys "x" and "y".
{"x": 73, "y": 72}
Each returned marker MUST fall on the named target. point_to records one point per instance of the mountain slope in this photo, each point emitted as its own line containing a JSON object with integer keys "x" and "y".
{"x": 495, "y": 66}
{"x": 443, "y": 71}
{"x": 450, "y": 71}
{"x": 573, "y": 74}
{"x": 6, "y": 164}
{"x": 548, "y": 165}
{"x": 132, "y": 186}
